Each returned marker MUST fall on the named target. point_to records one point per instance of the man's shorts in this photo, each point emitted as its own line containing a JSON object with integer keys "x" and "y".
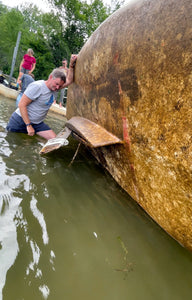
{"x": 16, "y": 124}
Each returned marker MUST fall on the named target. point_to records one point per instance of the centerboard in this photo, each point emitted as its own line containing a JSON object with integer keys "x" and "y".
{"x": 89, "y": 132}
{"x": 93, "y": 134}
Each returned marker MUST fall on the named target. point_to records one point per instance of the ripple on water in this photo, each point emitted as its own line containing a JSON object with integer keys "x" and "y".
{"x": 9, "y": 205}
{"x": 71, "y": 233}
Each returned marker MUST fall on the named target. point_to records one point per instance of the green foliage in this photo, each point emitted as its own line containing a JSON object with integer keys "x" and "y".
{"x": 3, "y": 8}
{"x": 60, "y": 49}
{"x": 53, "y": 31}
{"x": 10, "y": 24}
{"x": 80, "y": 20}
{"x": 43, "y": 55}
{"x": 52, "y": 36}
{"x": 95, "y": 14}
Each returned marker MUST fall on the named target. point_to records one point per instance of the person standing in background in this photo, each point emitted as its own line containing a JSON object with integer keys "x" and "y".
{"x": 24, "y": 81}
{"x": 27, "y": 64}
{"x": 65, "y": 70}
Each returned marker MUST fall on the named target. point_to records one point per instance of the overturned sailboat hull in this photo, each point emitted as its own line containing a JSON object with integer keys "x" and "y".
{"x": 134, "y": 78}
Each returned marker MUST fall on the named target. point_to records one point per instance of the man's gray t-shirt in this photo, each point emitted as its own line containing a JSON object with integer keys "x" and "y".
{"x": 42, "y": 98}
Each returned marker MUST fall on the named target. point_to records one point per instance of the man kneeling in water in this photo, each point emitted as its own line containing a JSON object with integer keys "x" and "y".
{"x": 36, "y": 101}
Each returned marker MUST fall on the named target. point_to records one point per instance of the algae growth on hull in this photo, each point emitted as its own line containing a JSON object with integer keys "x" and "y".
{"x": 133, "y": 77}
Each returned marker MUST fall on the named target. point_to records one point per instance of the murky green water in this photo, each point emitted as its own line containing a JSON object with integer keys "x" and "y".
{"x": 71, "y": 233}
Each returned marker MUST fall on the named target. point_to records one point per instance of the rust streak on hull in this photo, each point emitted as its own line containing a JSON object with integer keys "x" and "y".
{"x": 134, "y": 78}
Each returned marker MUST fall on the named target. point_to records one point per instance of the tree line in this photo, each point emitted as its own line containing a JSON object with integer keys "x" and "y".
{"x": 52, "y": 36}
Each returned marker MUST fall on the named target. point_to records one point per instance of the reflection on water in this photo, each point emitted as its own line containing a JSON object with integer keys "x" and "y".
{"x": 41, "y": 220}
{"x": 72, "y": 233}
{"x": 8, "y": 236}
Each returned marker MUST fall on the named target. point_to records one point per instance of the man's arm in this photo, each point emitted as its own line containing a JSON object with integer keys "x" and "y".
{"x": 20, "y": 81}
{"x": 70, "y": 72}
{"x": 24, "y": 102}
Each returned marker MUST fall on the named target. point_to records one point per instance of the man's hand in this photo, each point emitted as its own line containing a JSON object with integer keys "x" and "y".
{"x": 70, "y": 73}
{"x": 30, "y": 130}
{"x": 73, "y": 61}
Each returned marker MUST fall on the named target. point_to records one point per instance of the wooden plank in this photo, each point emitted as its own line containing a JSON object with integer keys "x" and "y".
{"x": 94, "y": 134}
{"x": 57, "y": 142}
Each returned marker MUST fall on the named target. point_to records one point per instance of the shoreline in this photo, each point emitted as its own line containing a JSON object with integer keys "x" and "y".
{"x": 12, "y": 94}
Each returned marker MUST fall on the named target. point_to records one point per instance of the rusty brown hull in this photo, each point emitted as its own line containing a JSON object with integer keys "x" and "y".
{"x": 134, "y": 78}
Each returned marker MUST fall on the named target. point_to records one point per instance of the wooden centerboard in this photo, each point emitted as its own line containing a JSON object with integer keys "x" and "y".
{"x": 94, "y": 134}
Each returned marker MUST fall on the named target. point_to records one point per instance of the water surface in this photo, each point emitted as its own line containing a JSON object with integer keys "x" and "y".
{"x": 70, "y": 232}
